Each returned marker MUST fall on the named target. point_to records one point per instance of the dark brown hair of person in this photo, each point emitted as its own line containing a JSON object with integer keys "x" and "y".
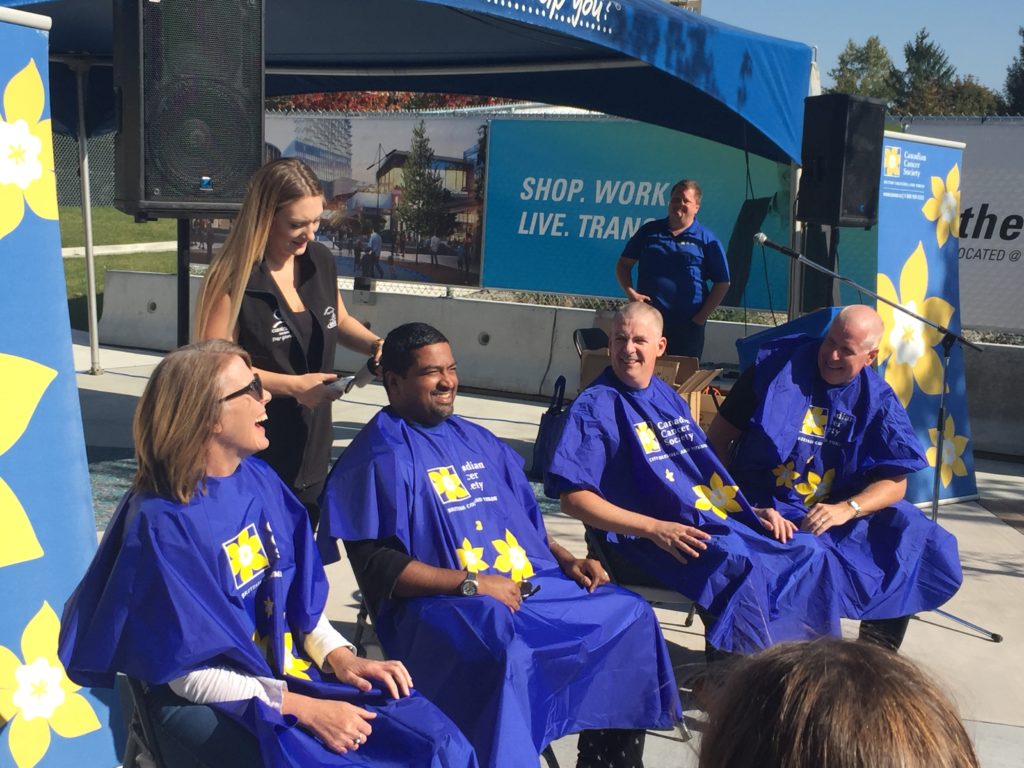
{"x": 832, "y": 703}
{"x": 176, "y": 416}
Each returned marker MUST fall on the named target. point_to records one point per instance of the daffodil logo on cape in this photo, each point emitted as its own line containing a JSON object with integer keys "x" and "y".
{"x": 246, "y": 555}
{"x": 294, "y": 666}
{"x": 471, "y": 558}
{"x": 944, "y": 206}
{"x": 26, "y": 152}
{"x": 908, "y": 346}
{"x": 816, "y": 487}
{"x": 512, "y": 558}
{"x": 814, "y": 421}
{"x": 37, "y": 695}
{"x": 648, "y": 439}
{"x": 22, "y": 384}
{"x": 893, "y": 161}
{"x": 785, "y": 474}
{"x": 717, "y": 497}
{"x": 953, "y": 446}
{"x": 447, "y": 484}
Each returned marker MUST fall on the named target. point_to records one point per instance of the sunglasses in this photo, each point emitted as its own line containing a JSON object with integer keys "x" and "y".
{"x": 254, "y": 388}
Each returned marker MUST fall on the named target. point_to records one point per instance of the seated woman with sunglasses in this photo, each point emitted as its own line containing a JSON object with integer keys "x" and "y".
{"x": 207, "y": 588}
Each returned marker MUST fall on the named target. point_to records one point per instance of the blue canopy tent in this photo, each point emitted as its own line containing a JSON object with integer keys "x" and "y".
{"x": 641, "y": 59}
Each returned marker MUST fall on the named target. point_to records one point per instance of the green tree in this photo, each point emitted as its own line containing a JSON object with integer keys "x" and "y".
{"x": 966, "y": 96}
{"x": 922, "y": 88}
{"x": 420, "y": 207}
{"x": 864, "y": 70}
{"x": 1014, "y": 87}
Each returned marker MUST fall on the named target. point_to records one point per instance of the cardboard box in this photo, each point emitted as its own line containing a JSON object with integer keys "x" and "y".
{"x": 592, "y": 363}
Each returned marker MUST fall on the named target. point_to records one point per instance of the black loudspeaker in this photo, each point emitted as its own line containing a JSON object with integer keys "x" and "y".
{"x": 842, "y": 160}
{"x": 188, "y": 76}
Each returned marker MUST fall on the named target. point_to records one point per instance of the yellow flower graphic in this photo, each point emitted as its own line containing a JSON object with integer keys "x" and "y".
{"x": 22, "y": 384}
{"x": 471, "y": 558}
{"x": 648, "y": 440}
{"x": 908, "y": 345}
{"x": 785, "y": 474}
{"x": 718, "y": 497}
{"x": 293, "y": 665}
{"x": 892, "y": 161}
{"x": 246, "y": 555}
{"x": 37, "y": 695}
{"x": 814, "y": 421}
{"x": 944, "y": 206}
{"x": 26, "y": 152}
{"x": 512, "y": 558}
{"x": 816, "y": 487}
{"x": 447, "y": 484}
{"x": 953, "y": 446}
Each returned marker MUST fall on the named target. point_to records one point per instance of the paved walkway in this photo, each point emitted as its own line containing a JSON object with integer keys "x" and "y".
{"x": 986, "y": 679}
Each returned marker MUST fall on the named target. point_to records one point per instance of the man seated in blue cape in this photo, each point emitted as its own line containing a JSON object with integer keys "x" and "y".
{"x": 823, "y": 444}
{"x": 632, "y": 464}
{"x": 515, "y": 639}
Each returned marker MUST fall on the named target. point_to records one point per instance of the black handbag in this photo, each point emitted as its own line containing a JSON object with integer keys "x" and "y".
{"x": 552, "y": 421}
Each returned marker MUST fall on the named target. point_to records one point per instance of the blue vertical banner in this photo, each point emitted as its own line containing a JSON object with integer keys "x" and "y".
{"x": 918, "y": 221}
{"x": 47, "y": 533}
{"x": 564, "y": 196}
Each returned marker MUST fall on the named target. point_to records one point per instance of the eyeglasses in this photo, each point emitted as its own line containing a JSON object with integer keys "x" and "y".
{"x": 254, "y": 388}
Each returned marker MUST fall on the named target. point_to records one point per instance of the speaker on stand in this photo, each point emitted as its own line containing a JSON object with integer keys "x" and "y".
{"x": 188, "y": 83}
{"x": 841, "y": 156}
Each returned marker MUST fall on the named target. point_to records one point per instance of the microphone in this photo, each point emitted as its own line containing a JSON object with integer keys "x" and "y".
{"x": 762, "y": 239}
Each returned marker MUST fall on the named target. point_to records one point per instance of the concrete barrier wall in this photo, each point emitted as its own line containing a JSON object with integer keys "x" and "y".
{"x": 994, "y": 401}
{"x": 522, "y": 348}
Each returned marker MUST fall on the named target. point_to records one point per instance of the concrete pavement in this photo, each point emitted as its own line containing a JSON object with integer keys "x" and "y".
{"x": 986, "y": 679}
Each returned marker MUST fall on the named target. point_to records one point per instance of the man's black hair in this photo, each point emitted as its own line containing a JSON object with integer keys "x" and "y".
{"x": 400, "y": 344}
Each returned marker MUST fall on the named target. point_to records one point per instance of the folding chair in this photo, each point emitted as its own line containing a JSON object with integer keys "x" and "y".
{"x": 141, "y": 750}
{"x": 589, "y": 338}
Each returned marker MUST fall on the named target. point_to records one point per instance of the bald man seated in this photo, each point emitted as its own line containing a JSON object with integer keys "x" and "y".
{"x": 819, "y": 442}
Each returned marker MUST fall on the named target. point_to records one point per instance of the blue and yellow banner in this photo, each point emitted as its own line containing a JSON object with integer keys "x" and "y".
{"x": 564, "y": 196}
{"x": 47, "y": 533}
{"x": 918, "y": 235}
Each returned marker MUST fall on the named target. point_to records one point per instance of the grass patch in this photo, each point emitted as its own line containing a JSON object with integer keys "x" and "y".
{"x": 111, "y": 227}
{"x": 75, "y": 279}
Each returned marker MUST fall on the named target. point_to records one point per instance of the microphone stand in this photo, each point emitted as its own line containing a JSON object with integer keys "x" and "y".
{"x": 949, "y": 338}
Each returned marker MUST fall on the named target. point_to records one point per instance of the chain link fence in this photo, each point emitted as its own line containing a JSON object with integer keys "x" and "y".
{"x": 101, "y": 170}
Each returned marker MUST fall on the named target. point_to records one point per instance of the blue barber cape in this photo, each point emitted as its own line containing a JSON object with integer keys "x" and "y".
{"x": 456, "y": 497}
{"x": 810, "y": 442}
{"x": 641, "y": 450}
{"x": 232, "y": 579}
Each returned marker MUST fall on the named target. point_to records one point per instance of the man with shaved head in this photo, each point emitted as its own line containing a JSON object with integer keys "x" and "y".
{"x": 822, "y": 445}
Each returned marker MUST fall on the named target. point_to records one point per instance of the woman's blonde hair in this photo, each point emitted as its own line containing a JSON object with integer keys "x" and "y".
{"x": 275, "y": 185}
{"x": 175, "y": 417}
{"x": 832, "y": 703}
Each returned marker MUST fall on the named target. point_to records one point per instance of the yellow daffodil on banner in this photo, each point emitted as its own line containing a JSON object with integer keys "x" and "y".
{"x": 718, "y": 497}
{"x": 816, "y": 487}
{"x": 26, "y": 152}
{"x": 37, "y": 695}
{"x": 471, "y": 558}
{"x": 293, "y": 665}
{"x": 512, "y": 558}
{"x": 785, "y": 474}
{"x": 908, "y": 345}
{"x": 953, "y": 446}
{"x": 944, "y": 206}
{"x": 22, "y": 384}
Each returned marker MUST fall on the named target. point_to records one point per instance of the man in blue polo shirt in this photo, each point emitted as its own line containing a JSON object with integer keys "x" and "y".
{"x": 678, "y": 258}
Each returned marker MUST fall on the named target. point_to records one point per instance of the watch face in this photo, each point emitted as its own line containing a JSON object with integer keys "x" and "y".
{"x": 468, "y": 587}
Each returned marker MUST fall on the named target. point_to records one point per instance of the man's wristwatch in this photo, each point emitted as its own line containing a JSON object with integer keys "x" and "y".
{"x": 857, "y": 511}
{"x": 468, "y": 586}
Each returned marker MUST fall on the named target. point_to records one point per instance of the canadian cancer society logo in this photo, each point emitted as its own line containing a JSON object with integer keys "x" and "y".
{"x": 647, "y": 437}
{"x": 893, "y": 161}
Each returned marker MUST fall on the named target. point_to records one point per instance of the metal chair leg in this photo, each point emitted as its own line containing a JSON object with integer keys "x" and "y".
{"x": 549, "y": 757}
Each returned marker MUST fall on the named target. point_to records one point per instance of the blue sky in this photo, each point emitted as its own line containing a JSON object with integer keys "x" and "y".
{"x": 979, "y": 36}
